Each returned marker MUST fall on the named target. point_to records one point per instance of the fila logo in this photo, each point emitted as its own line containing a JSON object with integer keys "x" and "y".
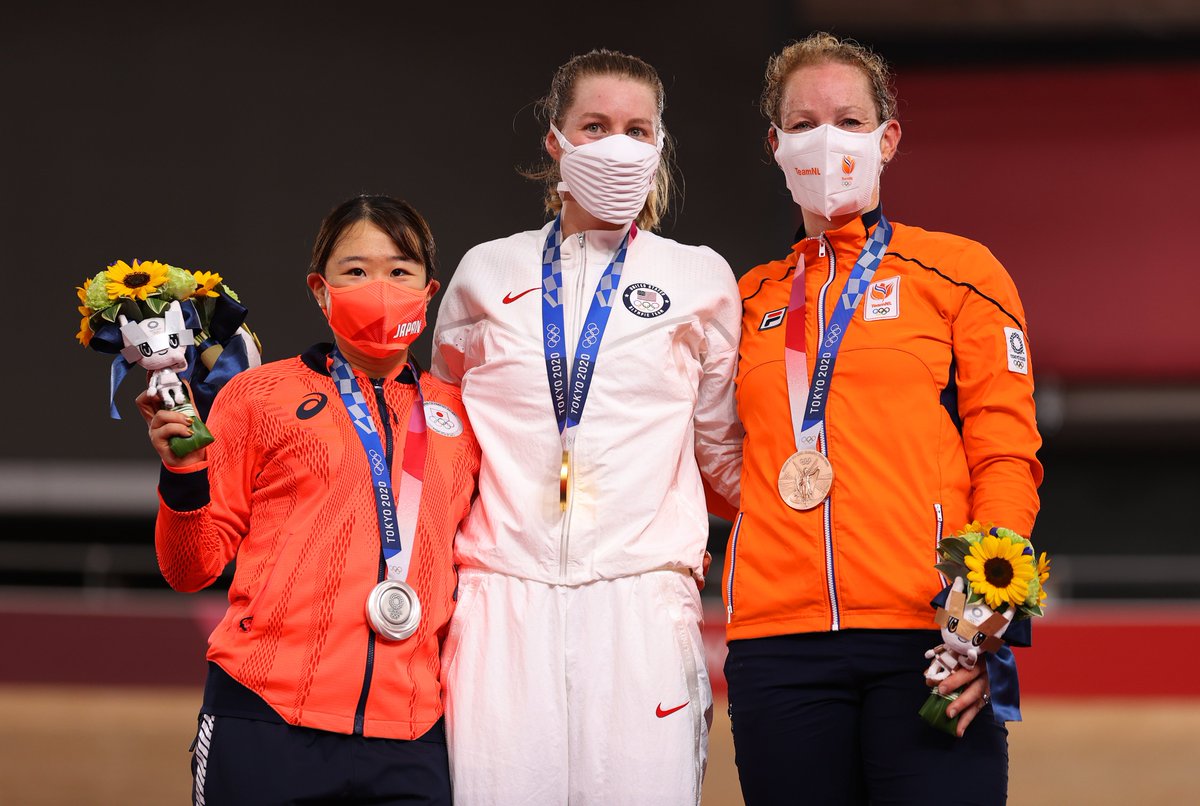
{"x": 772, "y": 319}
{"x": 883, "y": 300}
{"x": 1018, "y": 358}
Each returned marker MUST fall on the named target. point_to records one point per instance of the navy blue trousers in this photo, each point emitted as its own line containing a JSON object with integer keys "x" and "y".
{"x": 247, "y": 762}
{"x": 831, "y": 718}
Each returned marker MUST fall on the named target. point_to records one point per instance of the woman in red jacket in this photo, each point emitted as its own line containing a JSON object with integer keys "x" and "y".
{"x": 336, "y": 482}
{"x": 885, "y": 388}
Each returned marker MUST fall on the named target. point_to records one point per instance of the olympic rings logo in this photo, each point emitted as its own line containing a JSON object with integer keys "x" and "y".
{"x": 553, "y": 336}
{"x": 377, "y": 463}
{"x": 591, "y": 335}
{"x": 832, "y": 335}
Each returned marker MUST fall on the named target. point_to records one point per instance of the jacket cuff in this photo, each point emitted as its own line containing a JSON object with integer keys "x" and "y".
{"x": 184, "y": 492}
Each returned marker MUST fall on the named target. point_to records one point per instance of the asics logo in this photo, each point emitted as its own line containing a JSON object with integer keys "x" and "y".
{"x": 510, "y": 298}
{"x": 311, "y": 406}
{"x": 590, "y": 335}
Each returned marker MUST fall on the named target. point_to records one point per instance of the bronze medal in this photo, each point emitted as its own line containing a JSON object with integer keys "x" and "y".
{"x": 805, "y": 479}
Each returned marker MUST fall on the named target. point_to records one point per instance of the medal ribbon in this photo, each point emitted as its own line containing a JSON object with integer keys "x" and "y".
{"x": 808, "y": 423}
{"x": 397, "y": 514}
{"x": 569, "y": 386}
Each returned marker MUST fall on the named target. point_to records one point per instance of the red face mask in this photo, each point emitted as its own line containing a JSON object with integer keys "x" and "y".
{"x": 378, "y": 318}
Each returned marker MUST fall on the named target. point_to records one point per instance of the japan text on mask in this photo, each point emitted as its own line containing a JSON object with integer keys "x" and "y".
{"x": 377, "y": 318}
{"x": 830, "y": 171}
{"x": 611, "y": 177}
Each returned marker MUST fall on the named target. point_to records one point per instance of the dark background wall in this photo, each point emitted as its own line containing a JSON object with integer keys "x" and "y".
{"x": 216, "y": 137}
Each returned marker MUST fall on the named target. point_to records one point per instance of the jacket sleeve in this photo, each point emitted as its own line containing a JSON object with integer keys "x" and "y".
{"x": 454, "y": 324}
{"x": 718, "y": 431}
{"x": 204, "y": 509}
{"x": 995, "y": 394}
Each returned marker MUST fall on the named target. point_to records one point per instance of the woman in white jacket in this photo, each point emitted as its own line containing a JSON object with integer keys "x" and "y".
{"x": 596, "y": 361}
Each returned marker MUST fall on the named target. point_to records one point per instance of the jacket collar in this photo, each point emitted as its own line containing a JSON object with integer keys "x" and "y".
{"x": 316, "y": 358}
{"x": 855, "y": 228}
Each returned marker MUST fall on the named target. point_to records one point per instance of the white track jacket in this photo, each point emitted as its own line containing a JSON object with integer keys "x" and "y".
{"x": 660, "y": 411}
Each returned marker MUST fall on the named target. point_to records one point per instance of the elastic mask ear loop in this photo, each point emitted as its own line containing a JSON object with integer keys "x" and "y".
{"x": 563, "y": 142}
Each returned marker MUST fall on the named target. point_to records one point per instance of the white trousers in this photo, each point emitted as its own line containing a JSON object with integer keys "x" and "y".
{"x": 591, "y": 694}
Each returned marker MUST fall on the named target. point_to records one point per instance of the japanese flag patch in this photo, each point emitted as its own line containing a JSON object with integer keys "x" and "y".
{"x": 442, "y": 421}
{"x": 883, "y": 300}
{"x": 1018, "y": 356}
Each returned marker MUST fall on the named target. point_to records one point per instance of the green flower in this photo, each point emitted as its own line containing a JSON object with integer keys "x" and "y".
{"x": 97, "y": 293}
{"x": 179, "y": 285}
{"x": 229, "y": 292}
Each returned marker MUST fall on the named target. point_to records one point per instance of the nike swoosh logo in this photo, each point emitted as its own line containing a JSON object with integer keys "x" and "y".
{"x": 510, "y": 299}
{"x": 660, "y": 713}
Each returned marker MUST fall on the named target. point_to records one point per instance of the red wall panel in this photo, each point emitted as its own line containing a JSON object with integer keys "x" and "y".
{"x": 1081, "y": 181}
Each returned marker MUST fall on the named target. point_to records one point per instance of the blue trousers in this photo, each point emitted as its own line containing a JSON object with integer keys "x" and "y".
{"x": 248, "y": 762}
{"x": 831, "y": 718}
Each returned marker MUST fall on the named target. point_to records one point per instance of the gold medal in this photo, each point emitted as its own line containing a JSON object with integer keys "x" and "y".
{"x": 564, "y": 477}
{"x": 805, "y": 479}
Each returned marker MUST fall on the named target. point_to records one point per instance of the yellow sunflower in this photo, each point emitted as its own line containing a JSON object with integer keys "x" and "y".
{"x": 974, "y": 527}
{"x": 84, "y": 336}
{"x": 999, "y": 571}
{"x": 1043, "y": 573}
{"x": 206, "y": 281}
{"x": 82, "y": 291}
{"x": 137, "y": 281}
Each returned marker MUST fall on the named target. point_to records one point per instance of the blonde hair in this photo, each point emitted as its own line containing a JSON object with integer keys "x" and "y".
{"x": 558, "y": 100}
{"x": 821, "y": 48}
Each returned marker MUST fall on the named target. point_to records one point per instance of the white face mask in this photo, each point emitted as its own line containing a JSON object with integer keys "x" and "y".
{"x": 830, "y": 171}
{"x": 610, "y": 177}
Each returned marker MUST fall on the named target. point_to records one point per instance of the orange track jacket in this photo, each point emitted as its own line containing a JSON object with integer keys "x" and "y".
{"x": 929, "y": 424}
{"x": 287, "y": 491}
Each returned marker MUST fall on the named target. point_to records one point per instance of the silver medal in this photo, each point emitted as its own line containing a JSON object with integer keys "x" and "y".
{"x": 393, "y": 610}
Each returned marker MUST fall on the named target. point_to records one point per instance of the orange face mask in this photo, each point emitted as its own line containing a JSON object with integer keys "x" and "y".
{"x": 378, "y": 318}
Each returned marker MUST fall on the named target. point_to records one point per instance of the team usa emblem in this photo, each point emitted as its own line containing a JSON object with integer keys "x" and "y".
{"x": 646, "y": 300}
{"x": 442, "y": 421}
{"x": 772, "y": 319}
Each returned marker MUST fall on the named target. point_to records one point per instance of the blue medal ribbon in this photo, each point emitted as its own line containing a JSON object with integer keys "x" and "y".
{"x": 569, "y": 386}
{"x": 381, "y": 481}
{"x": 813, "y": 425}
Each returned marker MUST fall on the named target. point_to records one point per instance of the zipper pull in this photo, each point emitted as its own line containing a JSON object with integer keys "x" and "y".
{"x": 821, "y": 246}
{"x": 579, "y": 235}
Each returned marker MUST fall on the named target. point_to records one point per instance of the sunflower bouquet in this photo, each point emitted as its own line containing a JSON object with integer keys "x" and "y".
{"x": 186, "y": 328}
{"x": 997, "y": 581}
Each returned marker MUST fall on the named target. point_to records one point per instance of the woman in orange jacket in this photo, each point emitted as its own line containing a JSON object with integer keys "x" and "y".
{"x": 336, "y": 482}
{"x": 885, "y": 387}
